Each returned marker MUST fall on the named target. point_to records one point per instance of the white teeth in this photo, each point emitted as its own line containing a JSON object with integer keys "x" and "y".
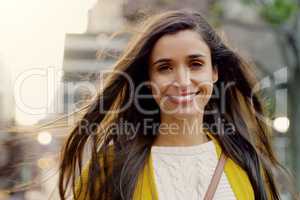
{"x": 180, "y": 98}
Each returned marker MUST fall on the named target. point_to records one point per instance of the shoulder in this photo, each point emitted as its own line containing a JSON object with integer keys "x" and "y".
{"x": 81, "y": 183}
{"x": 237, "y": 176}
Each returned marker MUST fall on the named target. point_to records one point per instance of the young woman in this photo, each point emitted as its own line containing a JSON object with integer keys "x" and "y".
{"x": 187, "y": 99}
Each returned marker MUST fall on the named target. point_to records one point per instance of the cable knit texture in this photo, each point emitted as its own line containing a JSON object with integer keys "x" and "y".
{"x": 184, "y": 172}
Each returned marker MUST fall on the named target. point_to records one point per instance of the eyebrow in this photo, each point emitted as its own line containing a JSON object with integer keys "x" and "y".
{"x": 192, "y": 56}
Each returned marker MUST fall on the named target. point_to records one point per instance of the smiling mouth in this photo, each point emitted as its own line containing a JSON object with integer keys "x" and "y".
{"x": 183, "y": 98}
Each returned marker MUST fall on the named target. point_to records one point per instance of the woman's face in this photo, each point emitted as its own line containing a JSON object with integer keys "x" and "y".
{"x": 181, "y": 74}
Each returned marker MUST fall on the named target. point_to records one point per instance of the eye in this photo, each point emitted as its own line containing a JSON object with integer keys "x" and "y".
{"x": 196, "y": 64}
{"x": 164, "y": 68}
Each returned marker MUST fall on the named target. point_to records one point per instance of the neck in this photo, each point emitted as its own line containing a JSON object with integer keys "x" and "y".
{"x": 181, "y": 132}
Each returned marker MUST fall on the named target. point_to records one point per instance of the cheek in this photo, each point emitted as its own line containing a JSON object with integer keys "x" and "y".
{"x": 205, "y": 75}
{"x": 206, "y": 90}
{"x": 205, "y": 85}
{"x": 158, "y": 87}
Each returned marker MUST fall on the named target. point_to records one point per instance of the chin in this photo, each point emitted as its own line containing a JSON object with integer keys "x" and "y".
{"x": 186, "y": 114}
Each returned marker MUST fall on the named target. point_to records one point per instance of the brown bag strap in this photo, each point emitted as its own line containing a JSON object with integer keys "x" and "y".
{"x": 216, "y": 178}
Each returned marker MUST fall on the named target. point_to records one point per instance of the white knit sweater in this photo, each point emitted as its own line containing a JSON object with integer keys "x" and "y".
{"x": 185, "y": 172}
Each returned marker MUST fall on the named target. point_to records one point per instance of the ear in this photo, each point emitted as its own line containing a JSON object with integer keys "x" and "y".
{"x": 215, "y": 75}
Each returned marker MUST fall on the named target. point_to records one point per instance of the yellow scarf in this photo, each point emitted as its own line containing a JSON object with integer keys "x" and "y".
{"x": 146, "y": 188}
{"x": 237, "y": 177}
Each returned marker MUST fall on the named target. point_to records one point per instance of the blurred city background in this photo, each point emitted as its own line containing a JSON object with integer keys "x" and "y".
{"x": 51, "y": 49}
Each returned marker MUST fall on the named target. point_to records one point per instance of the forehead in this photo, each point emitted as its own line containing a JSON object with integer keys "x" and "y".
{"x": 180, "y": 44}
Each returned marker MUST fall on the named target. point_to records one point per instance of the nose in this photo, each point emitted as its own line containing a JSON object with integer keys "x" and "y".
{"x": 183, "y": 78}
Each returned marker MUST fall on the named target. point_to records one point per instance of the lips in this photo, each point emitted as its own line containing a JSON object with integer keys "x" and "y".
{"x": 183, "y": 99}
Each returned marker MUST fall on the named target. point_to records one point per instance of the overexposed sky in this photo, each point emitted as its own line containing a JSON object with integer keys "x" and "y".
{"x": 32, "y": 39}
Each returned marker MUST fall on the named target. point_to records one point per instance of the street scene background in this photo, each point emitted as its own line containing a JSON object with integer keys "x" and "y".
{"x": 52, "y": 53}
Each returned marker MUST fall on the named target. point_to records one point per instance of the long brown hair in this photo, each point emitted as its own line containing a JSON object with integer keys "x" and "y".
{"x": 249, "y": 144}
